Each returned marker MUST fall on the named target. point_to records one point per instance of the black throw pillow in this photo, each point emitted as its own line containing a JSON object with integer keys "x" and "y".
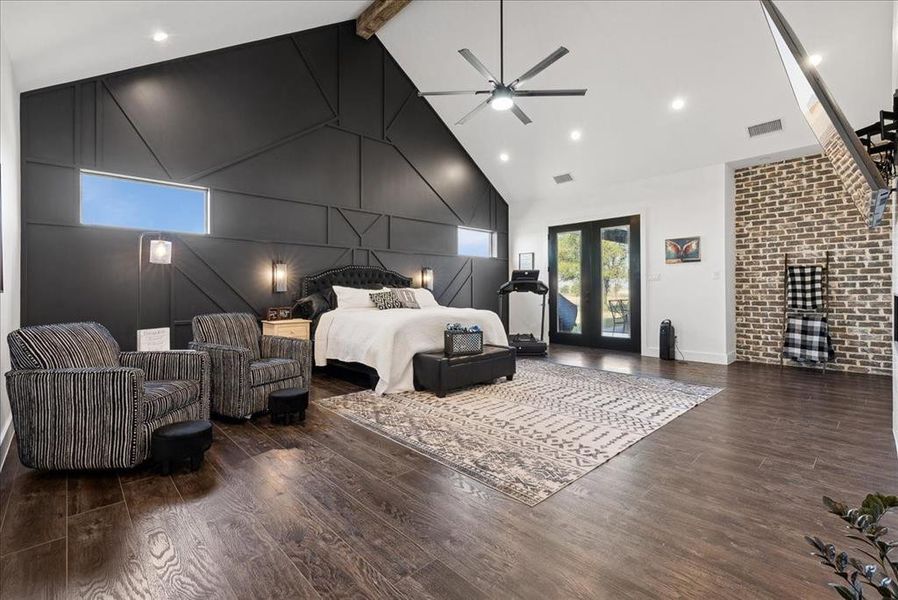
{"x": 312, "y": 306}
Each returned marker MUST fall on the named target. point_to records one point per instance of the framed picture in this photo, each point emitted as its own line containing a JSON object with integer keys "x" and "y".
{"x": 525, "y": 261}
{"x": 279, "y": 313}
{"x": 682, "y": 250}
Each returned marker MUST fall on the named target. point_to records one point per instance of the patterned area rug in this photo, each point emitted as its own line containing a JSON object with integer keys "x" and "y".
{"x": 532, "y": 436}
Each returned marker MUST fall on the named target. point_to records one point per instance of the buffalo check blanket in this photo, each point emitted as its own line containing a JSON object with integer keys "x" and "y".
{"x": 805, "y": 287}
{"x": 808, "y": 340}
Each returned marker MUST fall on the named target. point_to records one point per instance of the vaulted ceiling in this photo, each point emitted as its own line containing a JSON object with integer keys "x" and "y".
{"x": 635, "y": 58}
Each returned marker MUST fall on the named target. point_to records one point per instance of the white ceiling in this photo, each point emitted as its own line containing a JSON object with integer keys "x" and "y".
{"x": 56, "y": 42}
{"x": 634, "y": 57}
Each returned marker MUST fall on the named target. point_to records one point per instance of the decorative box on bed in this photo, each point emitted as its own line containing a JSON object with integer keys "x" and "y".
{"x": 462, "y": 343}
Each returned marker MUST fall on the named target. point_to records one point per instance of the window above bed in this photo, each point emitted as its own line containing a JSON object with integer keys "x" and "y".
{"x": 134, "y": 203}
{"x": 477, "y": 242}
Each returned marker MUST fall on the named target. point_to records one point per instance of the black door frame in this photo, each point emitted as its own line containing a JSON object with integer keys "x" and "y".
{"x": 591, "y": 286}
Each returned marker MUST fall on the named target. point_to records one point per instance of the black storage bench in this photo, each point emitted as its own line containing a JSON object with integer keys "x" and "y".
{"x": 438, "y": 373}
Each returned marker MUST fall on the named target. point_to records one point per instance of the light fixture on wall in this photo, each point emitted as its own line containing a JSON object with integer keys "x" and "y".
{"x": 427, "y": 278}
{"x": 279, "y": 277}
{"x": 160, "y": 252}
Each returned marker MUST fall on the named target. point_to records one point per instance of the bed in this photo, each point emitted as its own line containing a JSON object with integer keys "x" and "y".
{"x": 383, "y": 341}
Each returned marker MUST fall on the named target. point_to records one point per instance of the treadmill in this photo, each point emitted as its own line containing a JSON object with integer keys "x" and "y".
{"x": 526, "y": 344}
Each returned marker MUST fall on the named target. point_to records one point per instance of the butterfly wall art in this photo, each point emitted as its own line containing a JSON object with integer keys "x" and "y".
{"x": 681, "y": 250}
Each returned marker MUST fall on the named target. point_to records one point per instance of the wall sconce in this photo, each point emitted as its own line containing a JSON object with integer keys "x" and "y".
{"x": 427, "y": 278}
{"x": 279, "y": 276}
{"x": 160, "y": 252}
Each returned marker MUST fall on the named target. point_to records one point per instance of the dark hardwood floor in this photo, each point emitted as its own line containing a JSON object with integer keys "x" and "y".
{"x": 712, "y": 505}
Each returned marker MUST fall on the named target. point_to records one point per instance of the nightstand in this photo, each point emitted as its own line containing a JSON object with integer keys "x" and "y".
{"x": 291, "y": 328}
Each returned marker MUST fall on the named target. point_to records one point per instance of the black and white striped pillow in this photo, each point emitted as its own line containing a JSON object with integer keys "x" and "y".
{"x": 385, "y": 300}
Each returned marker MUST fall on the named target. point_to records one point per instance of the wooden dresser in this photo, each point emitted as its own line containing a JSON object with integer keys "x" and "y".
{"x": 292, "y": 328}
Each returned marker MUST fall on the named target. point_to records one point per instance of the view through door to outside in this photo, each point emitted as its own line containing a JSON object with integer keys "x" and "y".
{"x": 596, "y": 285}
{"x": 615, "y": 278}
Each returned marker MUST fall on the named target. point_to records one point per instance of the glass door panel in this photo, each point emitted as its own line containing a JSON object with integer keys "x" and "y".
{"x": 614, "y": 277}
{"x": 594, "y": 293}
{"x": 568, "y": 302}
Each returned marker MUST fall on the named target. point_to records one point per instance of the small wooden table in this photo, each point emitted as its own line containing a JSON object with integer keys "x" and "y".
{"x": 291, "y": 328}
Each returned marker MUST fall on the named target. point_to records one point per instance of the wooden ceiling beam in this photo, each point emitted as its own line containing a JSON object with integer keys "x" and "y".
{"x": 376, "y": 15}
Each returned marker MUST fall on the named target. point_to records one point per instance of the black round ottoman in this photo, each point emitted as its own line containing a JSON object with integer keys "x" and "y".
{"x": 187, "y": 440}
{"x": 284, "y": 404}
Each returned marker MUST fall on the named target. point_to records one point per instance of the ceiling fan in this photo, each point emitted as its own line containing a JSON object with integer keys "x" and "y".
{"x": 502, "y": 95}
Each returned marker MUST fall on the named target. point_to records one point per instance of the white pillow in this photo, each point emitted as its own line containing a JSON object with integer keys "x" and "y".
{"x": 348, "y": 297}
{"x": 425, "y": 298}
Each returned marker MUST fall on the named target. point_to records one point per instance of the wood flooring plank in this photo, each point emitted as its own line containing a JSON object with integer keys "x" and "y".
{"x": 437, "y": 581}
{"x": 90, "y": 490}
{"x": 387, "y": 549}
{"x": 176, "y": 549}
{"x": 713, "y": 504}
{"x": 37, "y": 511}
{"x": 232, "y": 513}
{"x": 7, "y": 477}
{"x": 37, "y": 573}
{"x": 246, "y": 437}
{"x": 330, "y": 565}
{"x": 104, "y": 556}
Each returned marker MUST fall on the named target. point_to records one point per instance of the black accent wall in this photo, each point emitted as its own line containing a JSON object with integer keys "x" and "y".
{"x": 316, "y": 149}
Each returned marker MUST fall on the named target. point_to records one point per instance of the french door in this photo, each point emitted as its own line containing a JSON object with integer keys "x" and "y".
{"x": 594, "y": 284}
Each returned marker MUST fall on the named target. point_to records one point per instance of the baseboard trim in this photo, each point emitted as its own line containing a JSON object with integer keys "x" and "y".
{"x": 5, "y": 442}
{"x": 714, "y": 358}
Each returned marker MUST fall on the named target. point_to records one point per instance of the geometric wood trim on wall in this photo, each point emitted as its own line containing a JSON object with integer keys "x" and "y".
{"x": 317, "y": 151}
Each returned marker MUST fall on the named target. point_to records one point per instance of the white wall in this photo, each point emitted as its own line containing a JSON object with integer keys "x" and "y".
{"x": 9, "y": 179}
{"x": 695, "y": 296}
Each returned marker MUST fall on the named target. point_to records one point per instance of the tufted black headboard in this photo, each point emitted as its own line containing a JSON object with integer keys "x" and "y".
{"x": 353, "y": 276}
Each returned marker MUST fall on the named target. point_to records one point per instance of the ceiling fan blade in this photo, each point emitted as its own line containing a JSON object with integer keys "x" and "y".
{"x": 520, "y": 114}
{"x": 540, "y": 66}
{"x": 469, "y": 56}
{"x": 476, "y": 110}
{"x": 455, "y": 93}
{"x": 549, "y": 93}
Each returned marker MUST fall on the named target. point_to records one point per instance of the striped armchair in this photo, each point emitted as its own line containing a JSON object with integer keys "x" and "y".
{"x": 247, "y": 366}
{"x": 79, "y": 403}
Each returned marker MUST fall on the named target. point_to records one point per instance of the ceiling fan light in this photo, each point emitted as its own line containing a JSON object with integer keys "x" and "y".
{"x": 501, "y": 102}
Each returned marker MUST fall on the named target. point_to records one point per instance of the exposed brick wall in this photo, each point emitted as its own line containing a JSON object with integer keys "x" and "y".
{"x": 799, "y": 206}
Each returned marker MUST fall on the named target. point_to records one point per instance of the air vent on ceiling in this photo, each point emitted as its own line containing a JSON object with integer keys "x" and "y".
{"x": 563, "y": 178}
{"x": 762, "y": 128}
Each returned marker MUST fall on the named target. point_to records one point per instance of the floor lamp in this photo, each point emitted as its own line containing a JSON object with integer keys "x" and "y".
{"x": 160, "y": 254}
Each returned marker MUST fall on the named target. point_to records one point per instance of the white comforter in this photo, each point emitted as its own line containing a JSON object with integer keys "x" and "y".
{"x": 386, "y": 340}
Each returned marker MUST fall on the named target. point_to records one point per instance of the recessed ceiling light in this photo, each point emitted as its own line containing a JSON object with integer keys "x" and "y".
{"x": 678, "y": 103}
{"x": 160, "y": 36}
{"x": 815, "y": 59}
{"x": 504, "y": 157}
{"x": 576, "y": 135}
